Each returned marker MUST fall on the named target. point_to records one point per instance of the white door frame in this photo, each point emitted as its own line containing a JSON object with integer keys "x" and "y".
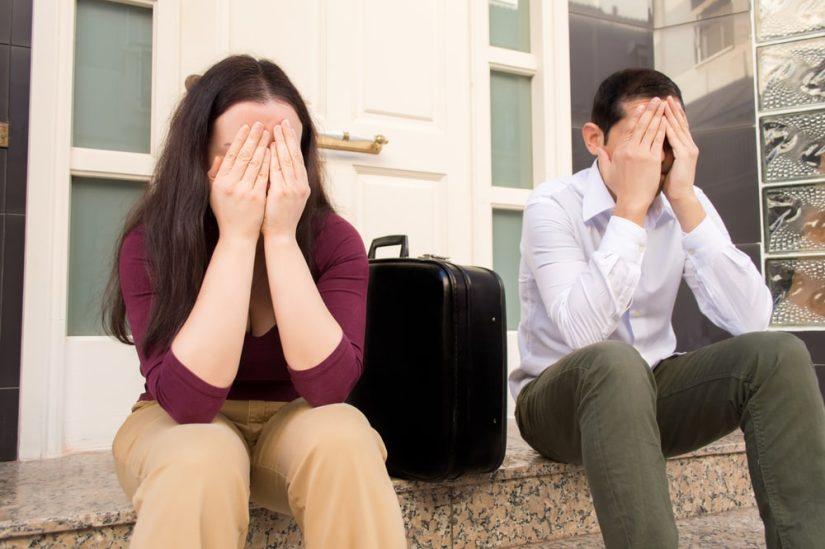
{"x": 43, "y": 380}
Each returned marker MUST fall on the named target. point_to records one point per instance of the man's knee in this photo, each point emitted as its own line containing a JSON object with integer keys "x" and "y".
{"x": 616, "y": 364}
{"x": 778, "y": 355}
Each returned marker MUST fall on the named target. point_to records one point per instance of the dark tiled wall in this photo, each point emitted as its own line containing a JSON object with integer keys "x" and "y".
{"x": 15, "y": 60}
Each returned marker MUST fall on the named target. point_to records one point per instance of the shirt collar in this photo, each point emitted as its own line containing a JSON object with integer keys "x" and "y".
{"x": 597, "y": 198}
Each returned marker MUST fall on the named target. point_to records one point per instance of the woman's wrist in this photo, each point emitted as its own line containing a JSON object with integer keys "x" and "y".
{"x": 279, "y": 239}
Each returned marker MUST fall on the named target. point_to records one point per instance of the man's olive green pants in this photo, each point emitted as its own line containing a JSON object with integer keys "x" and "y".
{"x": 602, "y": 406}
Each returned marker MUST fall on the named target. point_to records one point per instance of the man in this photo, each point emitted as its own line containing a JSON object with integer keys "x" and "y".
{"x": 603, "y": 253}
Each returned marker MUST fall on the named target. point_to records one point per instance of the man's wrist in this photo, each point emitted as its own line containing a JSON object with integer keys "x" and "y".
{"x": 634, "y": 212}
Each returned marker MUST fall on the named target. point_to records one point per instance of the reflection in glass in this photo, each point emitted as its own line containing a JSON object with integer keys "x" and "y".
{"x": 781, "y": 18}
{"x": 511, "y": 130}
{"x": 676, "y": 12}
{"x": 112, "y": 76}
{"x": 798, "y": 290}
{"x": 793, "y": 146}
{"x": 510, "y": 24}
{"x": 629, "y": 12}
{"x": 710, "y": 60}
{"x": 795, "y": 218}
{"x": 506, "y": 257}
{"x": 98, "y": 210}
{"x": 792, "y": 74}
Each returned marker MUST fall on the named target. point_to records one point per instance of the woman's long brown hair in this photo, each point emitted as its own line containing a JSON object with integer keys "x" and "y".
{"x": 180, "y": 230}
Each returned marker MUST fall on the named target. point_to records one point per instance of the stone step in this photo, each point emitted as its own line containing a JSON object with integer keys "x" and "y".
{"x": 76, "y": 501}
{"x": 740, "y": 529}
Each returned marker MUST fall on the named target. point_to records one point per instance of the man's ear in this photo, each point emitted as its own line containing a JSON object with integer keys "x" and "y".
{"x": 593, "y": 137}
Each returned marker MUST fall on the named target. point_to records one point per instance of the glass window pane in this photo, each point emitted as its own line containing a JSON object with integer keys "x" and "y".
{"x": 793, "y": 146}
{"x": 506, "y": 257}
{"x": 112, "y": 76}
{"x": 798, "y": 289}
{"x": 795, "y": 218}
{"x": 510, "y": 24}
{"x": 98, "y": 210}
{"x": 511, "y": 129}
{"x": 780, "y": 19}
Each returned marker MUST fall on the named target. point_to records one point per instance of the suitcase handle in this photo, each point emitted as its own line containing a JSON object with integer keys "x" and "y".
{"x": 391, "y": 240}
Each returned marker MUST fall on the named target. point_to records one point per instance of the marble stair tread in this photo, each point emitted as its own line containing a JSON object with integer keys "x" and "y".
{"x": 81, "y": 490}
{"x": 739, "y": 529}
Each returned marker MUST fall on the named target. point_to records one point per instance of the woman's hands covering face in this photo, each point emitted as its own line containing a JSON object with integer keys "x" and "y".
{"x": 288, "y": 183}
{"x": 238, "y": 184}
{"x": 260, "y": 185}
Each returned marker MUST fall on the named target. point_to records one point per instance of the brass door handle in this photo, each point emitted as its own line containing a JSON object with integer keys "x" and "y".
{"x": 346, "y": 142}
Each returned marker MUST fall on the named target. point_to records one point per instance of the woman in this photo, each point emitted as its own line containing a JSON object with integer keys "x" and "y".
{"x": 246, "y": 295}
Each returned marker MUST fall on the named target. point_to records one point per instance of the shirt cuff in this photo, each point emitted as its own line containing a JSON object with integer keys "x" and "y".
{"x": 625, "y": 239}
{"x": 702, "y": 243}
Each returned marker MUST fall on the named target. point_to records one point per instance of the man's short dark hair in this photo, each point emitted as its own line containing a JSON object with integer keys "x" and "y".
{"x": 626, "y": 85}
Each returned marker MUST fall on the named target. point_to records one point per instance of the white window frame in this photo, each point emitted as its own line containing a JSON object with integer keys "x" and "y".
{"x": 52, "y": 163}
{"x": 548, "y": 63}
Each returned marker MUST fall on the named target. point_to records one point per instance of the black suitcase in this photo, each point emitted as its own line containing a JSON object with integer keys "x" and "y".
{"x": 434, "y": 380}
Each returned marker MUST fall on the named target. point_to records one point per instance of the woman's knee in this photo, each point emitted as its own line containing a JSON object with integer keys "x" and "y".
{"x": 211, "y": 452}
{"x": 336, "y": 431}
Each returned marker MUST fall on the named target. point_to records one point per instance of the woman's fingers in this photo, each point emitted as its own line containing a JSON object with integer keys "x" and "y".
{"x": 276, "y": 175}
{"x": 284, "y": 159}
{"x": 213, "y": 171}
{"x": 234, "y": 149}
{"x": 247, "y": 151}
{"x": 263, "y": 173}
{"x": 294, "y": 148}
{"x": 254, "y": 166}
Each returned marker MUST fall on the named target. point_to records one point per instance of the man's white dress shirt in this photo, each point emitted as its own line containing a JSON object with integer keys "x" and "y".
{"x": 586, "y": 276}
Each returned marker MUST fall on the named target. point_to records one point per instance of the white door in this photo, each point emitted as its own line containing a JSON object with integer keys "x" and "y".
{"x": 390, "y": 67}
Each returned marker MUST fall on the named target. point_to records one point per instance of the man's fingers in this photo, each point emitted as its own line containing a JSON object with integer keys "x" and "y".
{"x": 234, "y": 148}
{"x": 676, "y": 130}
{"x": 644, "y": 119}
{"x": 655, "y": 123}
{"x": 659, "y": 140}
{"x": 635, "y": 115}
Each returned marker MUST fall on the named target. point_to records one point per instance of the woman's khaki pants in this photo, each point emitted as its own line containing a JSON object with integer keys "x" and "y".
{"x": 190, "y": 484}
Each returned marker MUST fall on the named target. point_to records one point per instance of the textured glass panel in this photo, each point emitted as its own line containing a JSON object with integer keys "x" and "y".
{"x": 510, "y": 24}
{"x": 629, "y": 12}
{"x": 676, "y": 12}
{"x": 798, "y": 289}
{"x": 710, "y": 60}
{"x": 99, "y": 207}
{"x": 795, "y": 218}
{"x": 506, "y": 257}
{"x": 112, "y": 76}
{"x": 512, "y": 130}
{"x": 780, "y": 18}
{"x": 793, "y": 146}
{"x": 791, "y": 74}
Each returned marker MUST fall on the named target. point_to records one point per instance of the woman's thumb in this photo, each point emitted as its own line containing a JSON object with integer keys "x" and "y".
{"x": 213, "y": 171}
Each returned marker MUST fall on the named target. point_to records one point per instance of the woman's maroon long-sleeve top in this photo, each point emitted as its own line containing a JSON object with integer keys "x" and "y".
{"x": 263, "y": 373}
